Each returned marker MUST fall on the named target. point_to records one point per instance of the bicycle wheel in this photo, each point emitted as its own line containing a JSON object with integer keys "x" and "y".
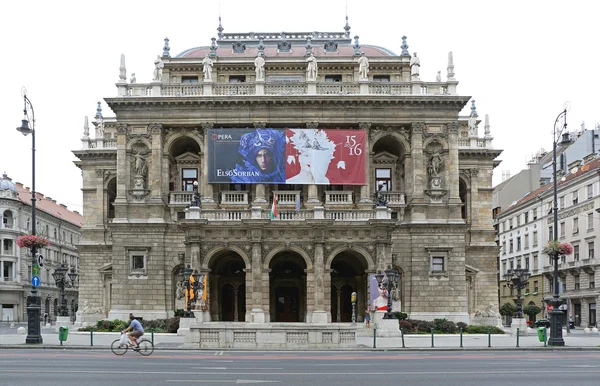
{"x": 118, "y": 348}
{"x": 146, "y": 347}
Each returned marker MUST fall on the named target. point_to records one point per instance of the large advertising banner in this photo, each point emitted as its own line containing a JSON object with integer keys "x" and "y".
{"x": 378, "y": 294}
{"x": 287, "y": 156}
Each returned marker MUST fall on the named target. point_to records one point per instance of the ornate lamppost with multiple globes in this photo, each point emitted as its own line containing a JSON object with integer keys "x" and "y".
{"x": 64, "y": 278}
{"x": 556, "y": 338}
{"x": 34, "y": 302}
{"x": 192, "y": 284}
{"x": 518, "y": 278}
{"x": 389, "y": 279}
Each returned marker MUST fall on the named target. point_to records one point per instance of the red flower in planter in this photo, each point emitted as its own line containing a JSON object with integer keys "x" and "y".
{"x": 29, "y": 241}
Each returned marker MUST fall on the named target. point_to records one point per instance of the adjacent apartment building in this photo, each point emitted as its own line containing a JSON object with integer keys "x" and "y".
{"x": 525, "y": 227}
{"x": 63, "y": 229}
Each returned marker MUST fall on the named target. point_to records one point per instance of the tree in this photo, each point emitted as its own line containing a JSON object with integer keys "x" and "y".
{"x": 508, "y": 309}
{"x": 531, "y": 310}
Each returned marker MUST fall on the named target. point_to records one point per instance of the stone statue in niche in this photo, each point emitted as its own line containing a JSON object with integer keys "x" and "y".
{"x": 139, "y": 164}
{"x": 436, "y": 162}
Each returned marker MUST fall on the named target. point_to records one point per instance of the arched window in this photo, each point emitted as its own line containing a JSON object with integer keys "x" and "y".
{"x": 8, "y": 219}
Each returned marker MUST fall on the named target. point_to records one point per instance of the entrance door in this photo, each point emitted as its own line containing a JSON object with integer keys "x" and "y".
{"x": 287, "y": 300}
{"x": 346, "y": 304}
{"x": 592, "y": 322}
{"x": 577, "y": 312}
{"x": 227, "y": 304}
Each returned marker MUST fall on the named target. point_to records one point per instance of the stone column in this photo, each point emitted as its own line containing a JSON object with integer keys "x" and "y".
{"x": 207, "y": 193}
{"x": 122, "y": 172}
{"x": 257, "y": 313}
{"x": 452, "y": 165}
{"x": 319, "y": 315}
{"x": 365, "y": 190}
{"x": 154, "y": 173}
{"x": 260, "y": 189}
{"x": 313, "y": 191}
{"x": 419, "y": 175}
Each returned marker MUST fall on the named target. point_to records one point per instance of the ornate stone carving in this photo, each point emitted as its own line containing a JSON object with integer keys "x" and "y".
{"x": 417, "y": 127}
{"x": 155, "y": 128}
{"x": 207, "y": 125}
{"x": 109, "y": 173}
{"x": 122, "y": 129}
{"x": 99, "y": 172}
{"x": 260, "y": 125}
{"x": 452, "y": 127}
{"x": 364, "y": 125}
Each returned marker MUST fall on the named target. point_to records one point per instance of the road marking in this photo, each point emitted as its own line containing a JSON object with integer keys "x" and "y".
{"x": 237, "y": 381}
{"x": 219, "y": 353}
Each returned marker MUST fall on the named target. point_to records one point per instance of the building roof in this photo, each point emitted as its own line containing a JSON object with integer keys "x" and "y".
{"x": 49, "y": 206}
{"x": 297, "y": 50}
{"x": 590, "y": 167}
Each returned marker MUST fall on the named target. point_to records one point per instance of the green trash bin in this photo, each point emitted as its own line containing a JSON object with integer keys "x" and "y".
{"x": 542, "y": 334}
{"x": 63, "y": 333}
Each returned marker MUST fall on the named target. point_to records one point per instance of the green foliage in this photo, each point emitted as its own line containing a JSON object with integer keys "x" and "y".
{"x": 473, "y": 329}
{"x": 170, "y": 325}
{"x": 400, "y": 315}
{"x": 508, "y": 309}
{"x": 405, "y": 326}
{"x": 180, "y": 312}
{"x": 462, "y": 325}
{"x": 531, "y": 310}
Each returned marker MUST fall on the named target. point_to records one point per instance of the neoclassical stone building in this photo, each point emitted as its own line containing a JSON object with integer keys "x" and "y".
{"x": 433, "y": 223}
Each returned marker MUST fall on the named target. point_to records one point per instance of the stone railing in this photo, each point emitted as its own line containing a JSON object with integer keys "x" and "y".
{"x": 234, "y": 89}
{"x": 180, "y": 198}
{"x": 318, "y": 213}
{"x": 338, "y": 197}
{"x": 181, "y": 89}
{"x": 474, "y": 143}
{"x": 337, "y": 88}
{"x": 99, "y": 143}
{"x": 285, "y": 88}
{"x": 396, "y": 198}
{"x": 379, "y": 88}
{"x": 287, "y": 197}
{"x": 8, "y": 279}
{"x": 234, "y": 198}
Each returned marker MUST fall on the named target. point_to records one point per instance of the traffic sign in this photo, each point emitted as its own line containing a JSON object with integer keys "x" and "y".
{"x": 550, "y": 308}
{"x": 35, "y": 281}
{"x": 36, "y": 270}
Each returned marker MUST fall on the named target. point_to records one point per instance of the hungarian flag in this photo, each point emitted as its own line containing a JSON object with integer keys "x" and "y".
{"x": 274, "y": 207}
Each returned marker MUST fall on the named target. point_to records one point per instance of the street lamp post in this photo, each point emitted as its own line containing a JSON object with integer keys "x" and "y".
{"x": 64, "y": 280}
{"x": 389, "y": 280}
{"x": 34, "y": 302}
{"x": 556, "y": 338}
{"x": 353, "y": 300}
{"x": 518, "y": 278}
{"x": 195, "y": 197}
{"x": 191, "y": 286}
{"x": 379, "y": 198}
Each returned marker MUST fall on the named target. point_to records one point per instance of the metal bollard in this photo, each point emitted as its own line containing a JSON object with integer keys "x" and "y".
{"x": 518, "y": 337}
{"x": 489, "y": 337}
{"x": 152, "y": 335}
{"x": 432, "y": 337}
{"x": 374, "y": 337}
{"x": 402, "y": 330}
{"x": 461, "y": 332}
{"x": 91, "y": 336}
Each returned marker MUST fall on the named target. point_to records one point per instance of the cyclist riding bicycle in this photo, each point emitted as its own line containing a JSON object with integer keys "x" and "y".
{"x": 136, "y": 330}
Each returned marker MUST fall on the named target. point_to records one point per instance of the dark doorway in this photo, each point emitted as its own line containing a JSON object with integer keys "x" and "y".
{"x": 577, "y": 312}
{"x": 287, "y": 304}
{"x": 346, "y": 302}
{"x": 227, "y": 303}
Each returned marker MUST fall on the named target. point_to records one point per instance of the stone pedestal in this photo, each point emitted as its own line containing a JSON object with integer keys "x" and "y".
{"x": 62, "y": 321}
{"x": 385, "y": 327}
{"x": 521, "y": 324}
{"x": 192, "y": 213}
{"x": 185, "y": 324}
{"x": 318, "y": 317}
{"x": 495, "y": 321}
{"x": 256, "y": 316}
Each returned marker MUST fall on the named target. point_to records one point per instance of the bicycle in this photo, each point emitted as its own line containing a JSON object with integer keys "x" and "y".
{"x": 145, "y": 347}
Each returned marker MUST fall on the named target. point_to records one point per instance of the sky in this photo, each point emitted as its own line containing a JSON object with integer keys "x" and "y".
{"x": 520, "y": 60}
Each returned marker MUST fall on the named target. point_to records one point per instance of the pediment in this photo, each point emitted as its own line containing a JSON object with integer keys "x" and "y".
{"x": 188, "y": 157}
{"x": 385, "y": 158}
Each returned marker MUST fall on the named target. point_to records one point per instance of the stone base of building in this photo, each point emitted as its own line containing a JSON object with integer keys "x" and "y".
{"x": 521, "y": 324}
{"x": 388, "y": 328}
{"x": 282, "y": 336}
{"x": 257, "y": 316}
{"x": 186, "y": 323}
{"x": 451, "y": 316}
{"x": 84, "y": 320}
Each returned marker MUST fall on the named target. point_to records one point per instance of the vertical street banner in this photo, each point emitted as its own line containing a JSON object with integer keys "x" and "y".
{"x": 287, "y": 156}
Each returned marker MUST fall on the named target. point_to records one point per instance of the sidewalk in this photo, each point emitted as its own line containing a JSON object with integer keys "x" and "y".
{"x": 103, "y": 340}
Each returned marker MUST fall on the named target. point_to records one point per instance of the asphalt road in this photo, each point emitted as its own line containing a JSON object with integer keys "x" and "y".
{"x": 25, "y": 367}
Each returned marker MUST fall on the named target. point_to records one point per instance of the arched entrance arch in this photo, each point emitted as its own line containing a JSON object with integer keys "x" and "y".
{"x": 287, "y": 287}
{"x": 227, "y": 286}
{"x": 348, "y": 274}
